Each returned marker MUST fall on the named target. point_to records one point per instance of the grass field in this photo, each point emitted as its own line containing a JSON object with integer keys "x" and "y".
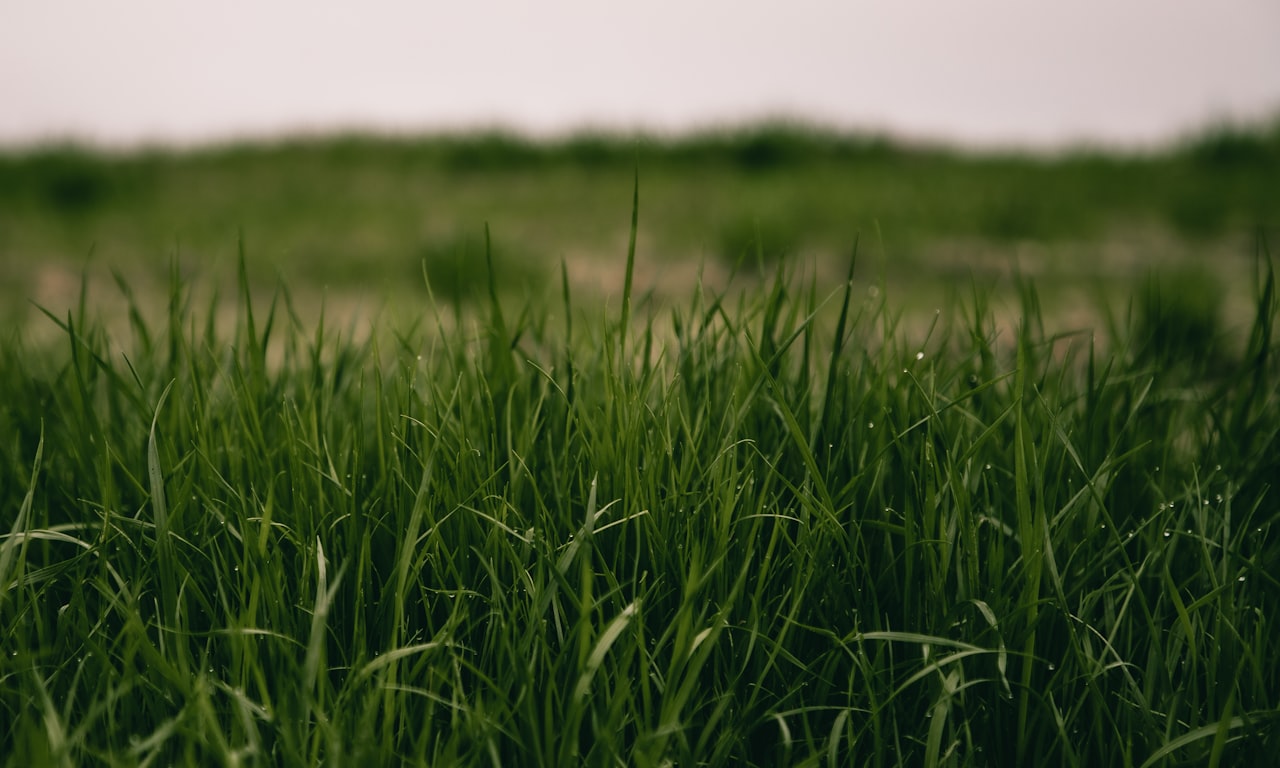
{"x": 354, "y": 219}
{"x": 797, "y": 519}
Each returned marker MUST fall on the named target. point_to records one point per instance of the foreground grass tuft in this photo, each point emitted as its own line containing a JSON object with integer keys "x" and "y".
{"x": 767, "y": 529}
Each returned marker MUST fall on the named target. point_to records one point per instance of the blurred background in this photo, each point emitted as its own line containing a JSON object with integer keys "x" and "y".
{"x": 988, "y": 73}
{"x": 353, "y": 146}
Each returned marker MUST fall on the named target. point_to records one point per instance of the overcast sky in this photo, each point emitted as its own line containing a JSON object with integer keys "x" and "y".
{"x": 970, "y": 71}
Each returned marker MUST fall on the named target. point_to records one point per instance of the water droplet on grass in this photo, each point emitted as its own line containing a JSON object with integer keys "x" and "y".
{"x": 919, "y": 355}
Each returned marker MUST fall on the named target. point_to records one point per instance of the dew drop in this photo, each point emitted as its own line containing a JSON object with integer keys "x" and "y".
{"x": 919, "y": 355}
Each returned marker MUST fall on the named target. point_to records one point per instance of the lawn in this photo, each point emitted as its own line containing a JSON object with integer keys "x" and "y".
{"x": 810, "y": 512}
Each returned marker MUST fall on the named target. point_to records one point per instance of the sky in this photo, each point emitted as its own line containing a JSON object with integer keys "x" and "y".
{"x": 1027, "y": 73}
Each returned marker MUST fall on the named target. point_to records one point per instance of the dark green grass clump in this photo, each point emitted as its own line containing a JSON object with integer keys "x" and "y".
{"x": 765, "y": 530}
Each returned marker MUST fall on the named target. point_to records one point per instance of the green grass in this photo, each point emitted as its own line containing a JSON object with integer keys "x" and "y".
{"x": 344, "y": 217}
{"x": 773, "y": 527}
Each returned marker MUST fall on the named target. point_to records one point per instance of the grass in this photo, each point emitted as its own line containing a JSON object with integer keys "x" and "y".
{"x": 767, "y": 527}
{"x": 344, "y": 217}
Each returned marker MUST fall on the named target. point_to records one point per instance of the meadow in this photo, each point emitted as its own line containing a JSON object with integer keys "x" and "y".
{"x": 865, "y": 508}
{"x": 352, "y": 220}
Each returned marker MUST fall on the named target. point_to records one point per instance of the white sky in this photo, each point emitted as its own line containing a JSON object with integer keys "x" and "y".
{"x": 1028, "y": 72}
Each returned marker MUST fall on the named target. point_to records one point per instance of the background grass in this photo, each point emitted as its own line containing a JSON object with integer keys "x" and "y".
{"x": 351, "y": 218}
